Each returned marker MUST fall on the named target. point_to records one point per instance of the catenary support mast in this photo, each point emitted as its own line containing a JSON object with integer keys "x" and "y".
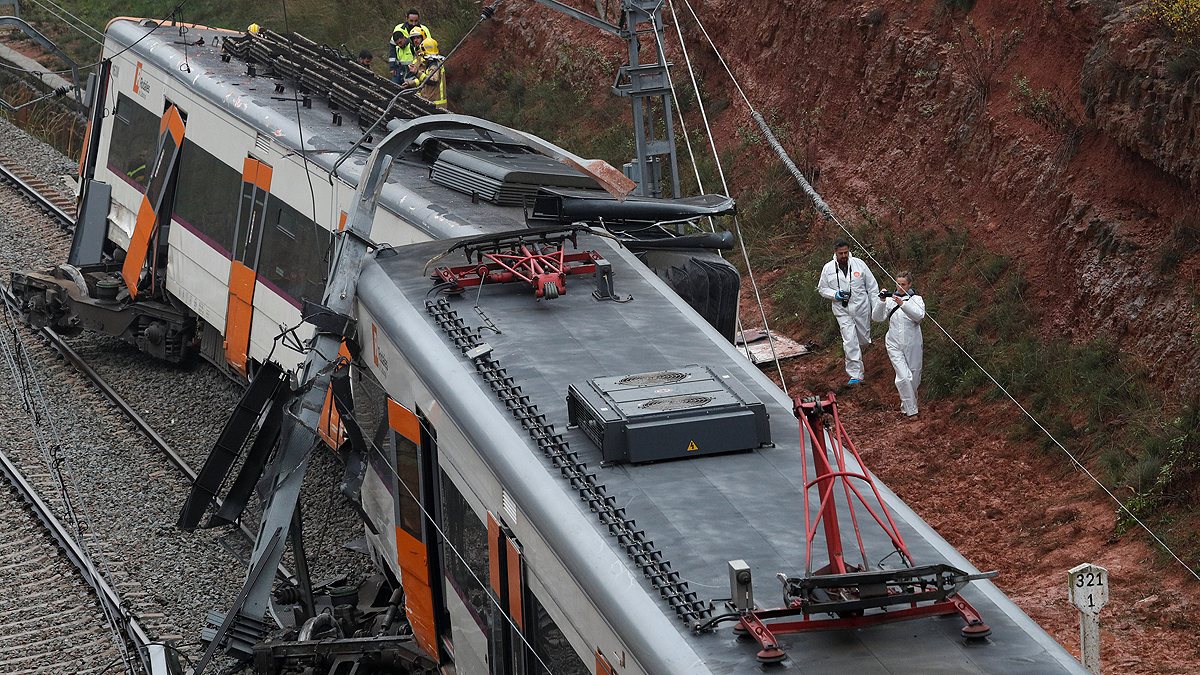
{"x": 648, "y": 86}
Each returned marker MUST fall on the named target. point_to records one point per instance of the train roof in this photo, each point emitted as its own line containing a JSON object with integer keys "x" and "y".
{"x": 410, "y": 192}
{"x": 701, "y": 511}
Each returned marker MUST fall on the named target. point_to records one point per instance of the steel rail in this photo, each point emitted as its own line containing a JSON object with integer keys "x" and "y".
{"x": 43, "y": 202}
{"x": 60, "y": 345}
{"x": 78, "y": 557}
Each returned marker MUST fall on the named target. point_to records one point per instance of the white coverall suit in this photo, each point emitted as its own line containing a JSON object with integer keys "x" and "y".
{"x": 903, "y": 344}
{"x": 854, "y": 319}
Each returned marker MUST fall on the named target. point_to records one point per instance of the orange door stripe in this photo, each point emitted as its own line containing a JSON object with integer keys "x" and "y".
{"x": 241, "y": 311}
{"x": 330, "y": 426}
{"x": 514, "y": 584}
{"x": 403, "y": 422}
{"x": 139, "y": 244}
{"x": 602, "y": 666}
{"x": 494, "y": 553}
{"x": 418, "y": 598}
{"x": 147, "y": 219}
{"x": 175, "y": 124}
{"x": 249, "y": 169}
{"x": 87, "y": 143}
{"x": 263, "y": 179}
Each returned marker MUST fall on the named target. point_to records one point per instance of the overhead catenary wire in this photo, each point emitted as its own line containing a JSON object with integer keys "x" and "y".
{"x": 157, "y": 25}
{"x": 828, "y": 213}
{"x": 662, "y": 56}
{"x": 300, "y": 132}
{"x": 81, "y": 22}
{"x": 741, "y": 330}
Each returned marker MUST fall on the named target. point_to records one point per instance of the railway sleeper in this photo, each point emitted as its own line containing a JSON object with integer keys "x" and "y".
{"x": 70, "y": 300}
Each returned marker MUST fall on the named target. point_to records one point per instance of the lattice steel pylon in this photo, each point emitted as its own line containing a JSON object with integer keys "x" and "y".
{"x": 648, "y": 84}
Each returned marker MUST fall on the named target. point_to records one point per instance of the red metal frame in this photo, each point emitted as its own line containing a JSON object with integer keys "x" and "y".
{"x": 828, "y": 475}
{"x": 550, "y": 265}
{"x": 751, "y": 623}
{"x": 826, "y": 480}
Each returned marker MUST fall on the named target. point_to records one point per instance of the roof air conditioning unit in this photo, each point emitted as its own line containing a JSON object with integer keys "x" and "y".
{"x": 668, "y": 414}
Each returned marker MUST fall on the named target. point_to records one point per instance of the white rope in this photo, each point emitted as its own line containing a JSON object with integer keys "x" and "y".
{"x": 712, "y": 227}
{"x": 1121, "y": 506}
{"x": 725, "y": 186}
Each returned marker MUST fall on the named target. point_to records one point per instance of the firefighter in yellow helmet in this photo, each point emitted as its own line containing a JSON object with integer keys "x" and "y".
{"x": 433, "y": 76}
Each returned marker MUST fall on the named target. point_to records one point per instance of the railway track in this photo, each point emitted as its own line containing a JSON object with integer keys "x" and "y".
{"x": 50, "y": 618}
{"x": 134, "y": 428}
{"x": 63, "y": 212}
{"x": 58, "y": 619}
{"x": 53, "y": 204}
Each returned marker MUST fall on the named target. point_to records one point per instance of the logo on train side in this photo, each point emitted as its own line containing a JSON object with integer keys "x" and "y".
{"x": 379, "y": 360}
{"x": 141, "y": 86}
{"x": 692, "y": 446}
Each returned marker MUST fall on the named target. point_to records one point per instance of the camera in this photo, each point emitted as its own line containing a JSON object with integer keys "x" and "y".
{"x": 884, "y": 294}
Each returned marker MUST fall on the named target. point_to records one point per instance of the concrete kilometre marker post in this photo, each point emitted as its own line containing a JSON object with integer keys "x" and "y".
{"x": 1087, "y": 587}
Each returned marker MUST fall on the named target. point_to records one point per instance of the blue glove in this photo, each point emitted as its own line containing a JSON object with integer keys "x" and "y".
{"x": 843, "y": 295}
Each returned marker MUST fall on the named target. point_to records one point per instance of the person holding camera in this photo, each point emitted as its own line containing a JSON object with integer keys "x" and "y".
{"x": 903, "y": 310}
{"x": 851, "y": 289}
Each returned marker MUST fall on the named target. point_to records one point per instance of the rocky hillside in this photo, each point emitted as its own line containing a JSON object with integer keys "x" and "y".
{"x": 1064, "y": 135}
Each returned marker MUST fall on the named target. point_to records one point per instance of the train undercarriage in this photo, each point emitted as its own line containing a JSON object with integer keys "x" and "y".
{"x": 70, "y": 300}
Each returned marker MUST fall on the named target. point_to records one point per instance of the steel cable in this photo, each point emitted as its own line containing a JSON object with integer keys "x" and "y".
{"x": 736, "y": 224}
{"x": 81, "y": 21}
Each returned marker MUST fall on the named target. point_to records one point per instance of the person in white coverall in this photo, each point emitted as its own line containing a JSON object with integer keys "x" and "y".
{"x": 849, "y": 285}
{"x": 903, "y": 311}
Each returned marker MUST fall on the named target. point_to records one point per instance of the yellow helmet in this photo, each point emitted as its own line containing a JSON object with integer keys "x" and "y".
{"x": 429, "y": 46}
{"x": 253, "y": 29}
{"x": 416, "y": 30}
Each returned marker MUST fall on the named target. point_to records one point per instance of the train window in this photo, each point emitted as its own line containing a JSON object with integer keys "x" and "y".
{"x": 550, "y": 645}
{"x": 467, "y": 534}
{"x": 408, "y": 470}
{"x": 134, "y": 141}
{"x": 293, "y": 255}
{"x": 206, "y": 198}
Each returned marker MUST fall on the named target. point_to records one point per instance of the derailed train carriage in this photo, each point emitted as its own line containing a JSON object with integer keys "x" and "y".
{"x": 562, "y": 463}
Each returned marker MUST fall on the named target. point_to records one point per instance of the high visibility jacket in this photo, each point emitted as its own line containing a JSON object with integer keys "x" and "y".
{"x": 434, "y": 87}
{"x": 404, "y": 54}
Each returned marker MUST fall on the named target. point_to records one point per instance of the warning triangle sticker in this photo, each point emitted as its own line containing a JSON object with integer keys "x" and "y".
{"x": 692, "y": 446}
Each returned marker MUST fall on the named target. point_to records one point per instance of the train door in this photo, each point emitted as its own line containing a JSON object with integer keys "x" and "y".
{"x": 256, "y": 186}
{"x": 524, "y": 639}
{"x": 414, "y": 450}
{"x": 506, "y": 571}
{"x": 145, "y": 237}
